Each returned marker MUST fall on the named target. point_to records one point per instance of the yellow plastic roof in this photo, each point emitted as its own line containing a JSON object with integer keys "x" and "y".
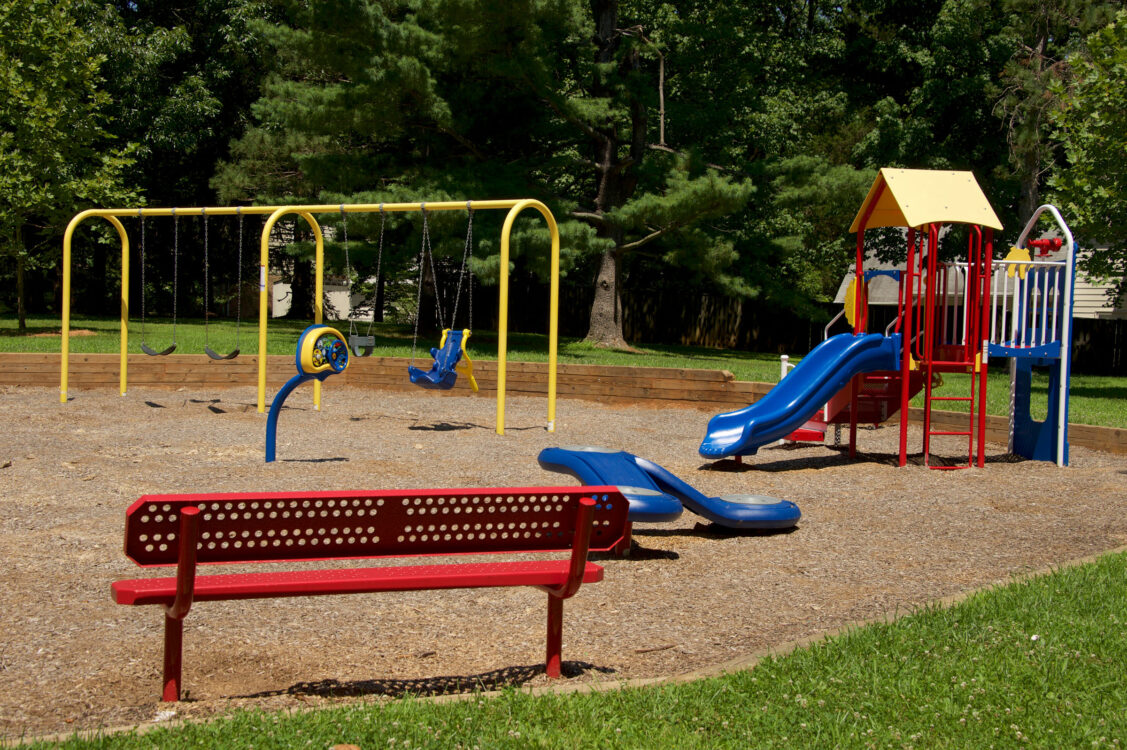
{"x": 917, "y": 197}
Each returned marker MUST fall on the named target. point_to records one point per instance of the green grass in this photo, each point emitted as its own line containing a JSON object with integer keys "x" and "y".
{"x": 1095, "y": 400}
{"x": 1037, "y": 663}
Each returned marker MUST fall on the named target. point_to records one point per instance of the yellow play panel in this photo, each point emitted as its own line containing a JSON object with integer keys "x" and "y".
{"x": 917, "y": 197}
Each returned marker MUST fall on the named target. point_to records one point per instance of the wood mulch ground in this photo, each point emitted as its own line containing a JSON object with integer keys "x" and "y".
{"x": 874, "y": 539}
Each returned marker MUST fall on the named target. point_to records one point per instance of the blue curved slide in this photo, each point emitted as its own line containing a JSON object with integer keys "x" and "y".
{"x": 656, "y": 494}
{"x": 786, "y": 407}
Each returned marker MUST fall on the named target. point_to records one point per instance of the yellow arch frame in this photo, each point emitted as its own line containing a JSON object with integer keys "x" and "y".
{"x": 515, "y": 207}
{"x": 306, "y": 212}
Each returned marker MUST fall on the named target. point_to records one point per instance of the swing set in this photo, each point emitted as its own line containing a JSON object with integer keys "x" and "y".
{"x": 450, "y": 356}
{"x": 176, "y": 284}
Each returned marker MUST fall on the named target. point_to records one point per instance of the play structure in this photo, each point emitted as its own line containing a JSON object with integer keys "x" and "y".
{"x": 952, "y": 317}
{"x": 657, "y": 495}
{"x": 321, "y": 352}
{"x": 306, "y": 213}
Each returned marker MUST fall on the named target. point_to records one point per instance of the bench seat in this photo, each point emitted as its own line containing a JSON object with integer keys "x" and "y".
{"x": 227, "y": 586}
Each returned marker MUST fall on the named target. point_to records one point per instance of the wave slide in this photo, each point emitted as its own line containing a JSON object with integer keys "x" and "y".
{"x": 786, "y": 407}
{"x": 657, "y": 495}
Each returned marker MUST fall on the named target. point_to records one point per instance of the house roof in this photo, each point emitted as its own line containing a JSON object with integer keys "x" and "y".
{"x": 917, "y": 197}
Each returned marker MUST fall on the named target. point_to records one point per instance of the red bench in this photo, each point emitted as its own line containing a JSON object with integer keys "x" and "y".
{"x": 281, "y": 527}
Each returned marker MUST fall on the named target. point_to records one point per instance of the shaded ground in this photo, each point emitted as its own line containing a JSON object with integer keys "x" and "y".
{"x": 874, "y": 539}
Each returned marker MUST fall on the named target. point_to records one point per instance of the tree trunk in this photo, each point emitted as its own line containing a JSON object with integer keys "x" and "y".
{"x": 616, "y": 173}
{"x": 21, "y": 307}
{"x": 606, "y": 310}
{"x": 1030, "y": 185}
{"x": 301, "y": 290}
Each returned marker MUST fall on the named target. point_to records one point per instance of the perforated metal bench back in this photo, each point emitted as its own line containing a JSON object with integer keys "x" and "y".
{"x": 274, "y": 526}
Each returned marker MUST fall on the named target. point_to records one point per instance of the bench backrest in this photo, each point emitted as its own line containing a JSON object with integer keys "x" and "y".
{"x": 277, "y": 526}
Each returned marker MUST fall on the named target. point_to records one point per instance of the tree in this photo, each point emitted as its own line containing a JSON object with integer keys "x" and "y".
{"x": 55, "y": 151}
{"x": 1043, "y": 33}
{"x": 1091, "y": 125}
{"x": 405, "y": 102}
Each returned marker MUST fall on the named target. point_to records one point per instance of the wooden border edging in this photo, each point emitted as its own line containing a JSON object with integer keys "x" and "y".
{"x": 707, "y": 390}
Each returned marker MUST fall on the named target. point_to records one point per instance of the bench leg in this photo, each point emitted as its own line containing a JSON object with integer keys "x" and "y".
{"x": 173, "y": 650}
{"x": 555, "y": 635}
{"x": 622, "y": 549}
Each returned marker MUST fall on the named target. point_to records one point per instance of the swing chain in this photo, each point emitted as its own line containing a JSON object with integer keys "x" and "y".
{"x": 206, "y": 274}
{"x": 467, "y": 253}
{"x": 239, "y": 281}
{"x": 175, "y": 268}
{"x": 424, "y": 254}
{"x": 347, "y": 272}
{"x": 141, "y": 221}
{"x": 379, "y": 267}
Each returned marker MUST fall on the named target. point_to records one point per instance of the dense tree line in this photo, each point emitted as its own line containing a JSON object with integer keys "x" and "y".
{"x": 689, "y": 146}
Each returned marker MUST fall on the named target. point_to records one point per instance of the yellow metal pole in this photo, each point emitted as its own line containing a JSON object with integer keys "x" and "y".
{"x": 503, "y": 310}
{"x": 123, "y": 377}
{"x": 304, "y": 212}
{"x": 318, "y": 290}
{"x": 68, "y": 238}
{"x": 503, "y": 319}
{"x": 65, "y": 354}
{"x": 263, "y": 265}
{"x": 553, "y": 315}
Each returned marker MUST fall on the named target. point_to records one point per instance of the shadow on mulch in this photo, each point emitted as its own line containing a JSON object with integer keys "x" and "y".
{"x": 704, "y": 530}
{"x": 428, "y": 686}
{"x": 732, "y": 466}
{"x": 950, "y": 461}
{"x": 447, "y": 426}
{"x": 637, "y": 552}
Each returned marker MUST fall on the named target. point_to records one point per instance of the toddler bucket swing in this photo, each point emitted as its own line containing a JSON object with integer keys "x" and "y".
{"x": 450, "y": 357}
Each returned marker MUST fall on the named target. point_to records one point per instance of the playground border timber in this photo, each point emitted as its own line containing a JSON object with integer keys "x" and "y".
{"x": 647, "y": 387}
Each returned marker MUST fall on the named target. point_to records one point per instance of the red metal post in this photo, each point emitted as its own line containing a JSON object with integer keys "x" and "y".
{"x": 555, "y": 636}
{"x": 907, "y": 295}
{"x": 928, "y": 349}
{"x": 173, "y": 658}
{"x": 175, "y": 612}
{"x": 584, "y": 517}
{"x": 622, "y": 549}
{"x": 988, "y": 274}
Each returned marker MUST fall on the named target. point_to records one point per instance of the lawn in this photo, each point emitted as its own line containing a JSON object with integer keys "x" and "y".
{"x": 1036, "y": 663}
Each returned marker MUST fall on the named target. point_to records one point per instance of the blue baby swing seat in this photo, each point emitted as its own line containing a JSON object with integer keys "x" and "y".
{"x": 450, "y": 358}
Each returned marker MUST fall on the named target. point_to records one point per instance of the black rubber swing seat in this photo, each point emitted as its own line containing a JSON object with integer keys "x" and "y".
{"x": 361, "y": 346}
{"x": 154, "y": 353}
{"x": 216, "y": 355}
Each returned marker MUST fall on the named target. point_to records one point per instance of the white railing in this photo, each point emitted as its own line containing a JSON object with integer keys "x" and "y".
{"x": 1028, "y": 309}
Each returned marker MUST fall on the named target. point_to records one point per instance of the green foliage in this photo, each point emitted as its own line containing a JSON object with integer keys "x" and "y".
{"x": 1043, "y": 33}
{"x": 1092, "y": 127}
{"x": 56, "y": 154}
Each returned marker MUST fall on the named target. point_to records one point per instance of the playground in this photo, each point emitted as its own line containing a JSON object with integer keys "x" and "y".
{"x": 874, "y": 540}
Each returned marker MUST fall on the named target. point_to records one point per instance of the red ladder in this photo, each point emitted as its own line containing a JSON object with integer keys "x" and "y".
{"x": 929, "y": 399}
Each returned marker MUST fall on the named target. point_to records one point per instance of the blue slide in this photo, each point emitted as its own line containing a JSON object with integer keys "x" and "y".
{"x": 656, "y": 494}
{"x": 786, "y": 407}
